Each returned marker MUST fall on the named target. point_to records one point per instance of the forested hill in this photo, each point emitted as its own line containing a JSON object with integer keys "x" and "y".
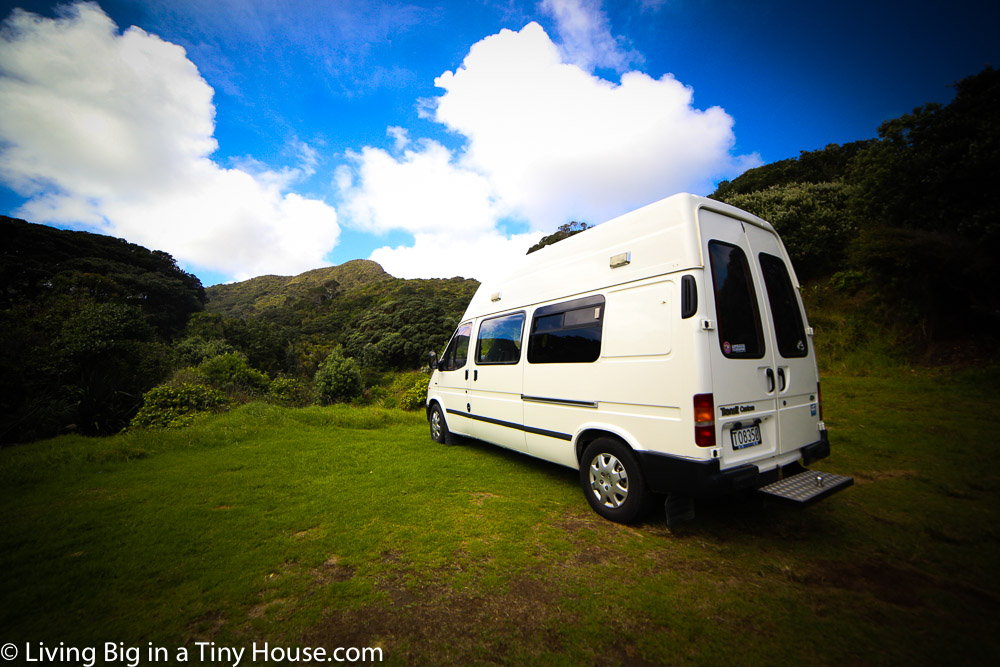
{"x": 316, "y": 287}
{"x": 383, "y": 322}
{"x": 86, "y": 325}
{"x": 37, "y": 261}
{"x": 895, "y": 238}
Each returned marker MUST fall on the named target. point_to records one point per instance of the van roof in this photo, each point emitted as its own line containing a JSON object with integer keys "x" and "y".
{"x": 659, "y": 238}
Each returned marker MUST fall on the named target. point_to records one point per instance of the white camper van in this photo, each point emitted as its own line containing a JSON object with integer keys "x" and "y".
{"x": 665, "y": 351}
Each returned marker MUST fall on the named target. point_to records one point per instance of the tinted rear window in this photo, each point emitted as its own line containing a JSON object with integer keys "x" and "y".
{"x": 785, "y": 311}
{"x": 567, "y": 333}
{"x": 740, "y": 334}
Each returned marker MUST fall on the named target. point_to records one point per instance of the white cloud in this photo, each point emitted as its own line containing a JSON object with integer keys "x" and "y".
{"x": 422, "y": 191}
{"x": 585, "y": 35}
{"x": 115, "y": 131}
{"x": 546, "y": 142}
{"x": 558, "y": 143}
{"x": 439, "y": 255}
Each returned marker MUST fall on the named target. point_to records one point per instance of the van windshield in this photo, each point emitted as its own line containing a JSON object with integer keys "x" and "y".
{"x": 740, "y": 334}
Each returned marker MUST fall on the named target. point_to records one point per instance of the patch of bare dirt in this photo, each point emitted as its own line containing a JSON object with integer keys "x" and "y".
{"x": 332, "y": 570}
{"x": 449, "y": 623}
{"x": 896, "y": 585}
{"x": 478, "y": 498}
{"x": 869, "y": 476}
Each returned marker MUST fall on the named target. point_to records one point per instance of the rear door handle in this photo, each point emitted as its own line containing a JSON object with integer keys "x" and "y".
{"x": 781, "y": 376}
{"x": 770, "y": 380}
{"x": 475, "y": 375}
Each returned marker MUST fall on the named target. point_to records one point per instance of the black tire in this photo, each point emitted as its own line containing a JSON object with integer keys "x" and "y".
{"x": 439, "y": 427}
{"x": 611, "y": 480}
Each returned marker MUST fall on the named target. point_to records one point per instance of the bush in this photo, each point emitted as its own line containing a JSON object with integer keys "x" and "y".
{"x": 230, "y": 373}
{"x": 175, "y": 407}
{"x": 410, "y": 390}
{"x": 337, "y": 379}
{"x": 193, "y": 350}
{"x": 290, "y": 392}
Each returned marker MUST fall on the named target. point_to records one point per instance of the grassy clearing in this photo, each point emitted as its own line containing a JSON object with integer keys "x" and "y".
{"x": 350, "y": 527}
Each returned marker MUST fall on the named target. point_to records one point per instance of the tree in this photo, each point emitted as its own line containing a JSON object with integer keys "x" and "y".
{"x": 813, "y": 219}
{"x": 338, "y": 379}
{"x": 563, "y": 232}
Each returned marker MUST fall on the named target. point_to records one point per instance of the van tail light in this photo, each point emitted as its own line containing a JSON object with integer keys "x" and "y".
{"x": 704, "y": 420}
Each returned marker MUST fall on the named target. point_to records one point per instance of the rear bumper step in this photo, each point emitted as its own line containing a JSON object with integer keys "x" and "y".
{"x": 807, "y": 486}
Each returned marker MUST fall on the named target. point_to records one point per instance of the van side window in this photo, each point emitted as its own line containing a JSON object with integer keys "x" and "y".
{"x": 788, "y": 325}
{"x": 457, "y": 352}
{"x": 740, "y": 333}
{"x": 500, "y": 340}
{"x": 567, "y": 333}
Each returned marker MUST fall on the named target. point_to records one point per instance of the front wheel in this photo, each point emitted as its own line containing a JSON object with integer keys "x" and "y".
{"x": 612, "y": 481}
{"x": 439, "y": 428}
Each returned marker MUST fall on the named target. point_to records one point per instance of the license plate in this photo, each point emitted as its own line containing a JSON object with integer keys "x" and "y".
{"x": 746, "y": 437}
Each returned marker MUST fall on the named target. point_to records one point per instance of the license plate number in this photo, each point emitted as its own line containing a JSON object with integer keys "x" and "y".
{"x": 746, "y": 437}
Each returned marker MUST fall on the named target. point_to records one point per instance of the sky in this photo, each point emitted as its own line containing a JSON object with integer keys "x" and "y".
{"x": 440, "y": 139}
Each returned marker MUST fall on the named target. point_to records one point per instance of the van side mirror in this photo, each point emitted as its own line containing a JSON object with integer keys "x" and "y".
{"x": 432, "y": 360}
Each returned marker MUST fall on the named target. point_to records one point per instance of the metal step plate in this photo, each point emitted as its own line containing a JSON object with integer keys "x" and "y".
{"x": 807, "y": 486}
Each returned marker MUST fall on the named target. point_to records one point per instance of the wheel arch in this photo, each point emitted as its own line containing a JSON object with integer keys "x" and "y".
{"x": 590, "y": 432}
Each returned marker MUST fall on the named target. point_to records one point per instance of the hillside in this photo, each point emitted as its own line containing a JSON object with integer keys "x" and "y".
{"x": 893, "y": 238}
{"x": 285, "y": 324}
{"x": 38, "y": 261}
{"x": 85, "y": 326}
{"x": 256, "y": 295}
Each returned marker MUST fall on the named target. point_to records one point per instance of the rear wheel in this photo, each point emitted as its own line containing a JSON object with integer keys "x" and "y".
{"x": 611, "y": 480}
{"x": 439, "y": 428}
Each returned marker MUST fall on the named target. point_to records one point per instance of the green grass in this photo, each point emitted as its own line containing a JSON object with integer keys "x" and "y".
{"x": 350, "y": 527}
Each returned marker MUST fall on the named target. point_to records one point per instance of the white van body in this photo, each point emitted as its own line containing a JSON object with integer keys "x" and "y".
{"x": 674, "y": 336}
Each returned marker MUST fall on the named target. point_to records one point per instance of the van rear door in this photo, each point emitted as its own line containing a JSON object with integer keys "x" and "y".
{"x": 744, "y": 380}
{"x": 763, "y": 365}
{"x": 797, "y": 398}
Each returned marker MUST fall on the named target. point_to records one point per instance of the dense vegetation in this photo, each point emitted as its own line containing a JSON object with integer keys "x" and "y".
{"x": 894, "y": 237}
{"x": 85, "y": 327}
{"x": 90, "y": 324}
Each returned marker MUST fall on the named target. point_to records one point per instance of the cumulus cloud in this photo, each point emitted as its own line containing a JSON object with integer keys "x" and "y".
{"x": 115, "y": 131}
{"x": 546, "y": 141}
{"x": 439, "y": 255}
{"x": 557, "y": 142}
{"x": 420, "y": 191}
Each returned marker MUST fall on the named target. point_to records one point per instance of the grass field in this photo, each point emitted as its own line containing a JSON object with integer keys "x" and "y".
{"x": 327, "y": 527}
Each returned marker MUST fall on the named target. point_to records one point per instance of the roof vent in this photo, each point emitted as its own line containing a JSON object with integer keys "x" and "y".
{"x": 495, "y": 296}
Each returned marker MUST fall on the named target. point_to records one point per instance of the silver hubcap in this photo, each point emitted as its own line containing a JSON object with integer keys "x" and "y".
{"x": 608, "y": 481}
{"x": 436, "y": 425}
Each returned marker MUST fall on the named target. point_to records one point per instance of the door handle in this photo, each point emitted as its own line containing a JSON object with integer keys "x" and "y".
{"x": 475, "y": 375}
{"x": 781, "y": 376}
{"x": 770, "y": 380}
{"x": 466, "y": 373}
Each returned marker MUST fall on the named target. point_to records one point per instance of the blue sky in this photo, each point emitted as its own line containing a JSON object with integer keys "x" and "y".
{"x": 440, "y": 139}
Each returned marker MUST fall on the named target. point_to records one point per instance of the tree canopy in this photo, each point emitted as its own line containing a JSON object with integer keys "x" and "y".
{"x": 85, "y": 321}
{"x": 915, "y": 213}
